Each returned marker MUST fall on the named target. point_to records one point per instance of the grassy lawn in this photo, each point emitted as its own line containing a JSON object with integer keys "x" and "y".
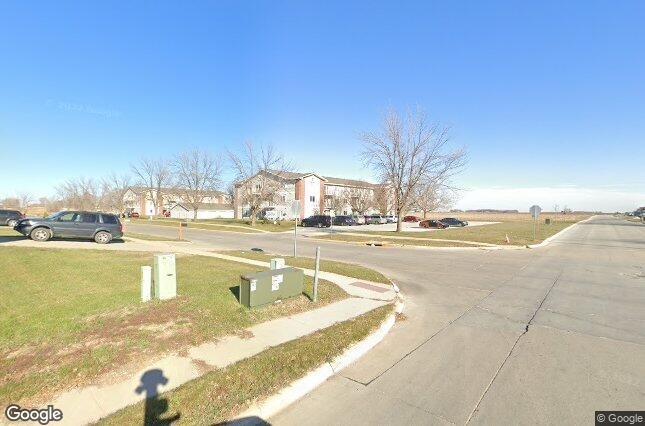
{"x": 5, "y": 231}
{"x": 220, "y": 395}
{"x": 67, "y": 316}
{"x": 232, "y": 225}
{"x": 384, "y": 237}
{"x": 347, "y": 269}
{"x": 519, "y": 233}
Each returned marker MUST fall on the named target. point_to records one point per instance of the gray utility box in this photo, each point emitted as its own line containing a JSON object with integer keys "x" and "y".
{"x": 165, "y": 276}
{"x": 262, "y": 288}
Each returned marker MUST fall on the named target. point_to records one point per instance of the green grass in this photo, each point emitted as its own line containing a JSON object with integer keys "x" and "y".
{"x": 231, "y": 225}
{"x": 69, "y": 315}
{"x": 342, "y": 268}
{"x": 220, "y": 395}
{"x": 385, "y": 238}
{"x": 519, "y": 233}
{"x": 5, "y": 231}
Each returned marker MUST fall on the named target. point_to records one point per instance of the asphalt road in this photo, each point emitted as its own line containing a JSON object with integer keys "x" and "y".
{"x": 534, "y": 336}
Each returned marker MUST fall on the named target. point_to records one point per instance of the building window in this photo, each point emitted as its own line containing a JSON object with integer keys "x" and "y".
{"x": 312, "y": 198}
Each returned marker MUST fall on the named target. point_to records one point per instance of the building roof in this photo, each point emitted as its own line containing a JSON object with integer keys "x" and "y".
{"x": 349, "y": 182}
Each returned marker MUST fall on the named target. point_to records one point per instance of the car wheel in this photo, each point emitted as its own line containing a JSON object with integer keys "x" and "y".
{"x": 319, "y": 225}
{"x": 11, "y": 223}
{"x": 40, "y": 234}
{"x": 103, "y": 237}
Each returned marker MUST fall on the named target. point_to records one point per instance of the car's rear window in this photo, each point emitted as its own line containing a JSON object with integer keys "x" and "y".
{"x": 108, "y": 218}
{"x": 89, "y": 217}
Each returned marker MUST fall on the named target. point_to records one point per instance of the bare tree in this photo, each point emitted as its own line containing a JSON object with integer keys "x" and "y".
{"x": 79, "y": 193}
{"x": 429, "y": 197}
{"x": 260, "y": 174}
{"x": 114, "y": 188}
{"x": 154, "y": 176}
{"x": 383, "y": 198}
{"x": 336, "y": 202}
{"x": 359, "y": 199}
{"x": 198, "y": 175}
{"x": 25, "y": 199}
{"x": 408, "y": 151}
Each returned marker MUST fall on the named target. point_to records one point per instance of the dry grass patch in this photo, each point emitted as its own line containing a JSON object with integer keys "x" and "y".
{"x": 67, "y": 316}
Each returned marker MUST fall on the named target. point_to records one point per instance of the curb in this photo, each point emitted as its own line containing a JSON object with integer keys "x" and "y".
{"x": 301, "y": 387}
{"x": 552, "y": 237}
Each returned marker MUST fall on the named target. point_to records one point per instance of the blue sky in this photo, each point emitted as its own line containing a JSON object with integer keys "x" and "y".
{"x": 547, "y": 97}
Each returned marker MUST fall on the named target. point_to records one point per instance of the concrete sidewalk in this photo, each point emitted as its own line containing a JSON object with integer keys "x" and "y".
{"x": 89, "y": 404}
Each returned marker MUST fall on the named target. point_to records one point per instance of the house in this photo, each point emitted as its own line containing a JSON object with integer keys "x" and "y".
{"x": 317, "y": 194}
{"x": 204, "y": 211}
{"x": 140, "y": 199}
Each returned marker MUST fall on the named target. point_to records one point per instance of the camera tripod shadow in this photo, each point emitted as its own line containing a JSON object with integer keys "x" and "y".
{"x": 155, "y": 407}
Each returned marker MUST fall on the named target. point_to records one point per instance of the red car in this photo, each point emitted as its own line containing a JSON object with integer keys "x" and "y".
{"x": 428, "y": 223}
{"x": 411, "y": 219}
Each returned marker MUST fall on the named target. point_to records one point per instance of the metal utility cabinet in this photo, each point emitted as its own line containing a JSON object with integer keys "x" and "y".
{"x": 165, "y": 276}
{"x": 262, "y": 288}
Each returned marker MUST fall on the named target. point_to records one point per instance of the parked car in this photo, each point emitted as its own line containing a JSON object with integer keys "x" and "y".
{"x": 134, "y": 214}
{"x": 101, "y": 227}
{"x": 411, "y": 218}
{"x": 430, "y": 223}
{"x": 453, "y": 221}
{"x": 319, "y": 221}
{"x": 391, "y": 219}
{"x": 344, "y": 221}
{"x": 375, "y": 219}
{"x": 10, "y": 217}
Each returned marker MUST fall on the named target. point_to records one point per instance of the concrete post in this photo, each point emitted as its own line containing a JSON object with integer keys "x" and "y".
{"x": 146, "y": 283}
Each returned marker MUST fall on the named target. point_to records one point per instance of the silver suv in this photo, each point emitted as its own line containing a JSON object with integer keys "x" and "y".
{"x": 101, "y": 227}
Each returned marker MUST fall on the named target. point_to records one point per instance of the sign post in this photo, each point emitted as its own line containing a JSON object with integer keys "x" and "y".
{"x": 535, "y": 213}
{"x": 295, "y": 213}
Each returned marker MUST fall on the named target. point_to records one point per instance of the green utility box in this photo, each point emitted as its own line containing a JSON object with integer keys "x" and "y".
{"x": 262, "y": 288}
{"x": 547, "y": 221}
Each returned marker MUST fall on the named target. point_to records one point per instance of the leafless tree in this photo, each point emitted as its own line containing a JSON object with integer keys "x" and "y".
{"x": 113, "y": 190}
{"x": 79, "y": 193}
{"x": 11, "y": 203}
{"x": 428, "y": 197}
{"x": 408, "y": 151}
{"x": 154, "y": 176}
{"x": 336, "y": 202}
{"x": 383, "y": 198}
{"x": 260, "y": 174}
{"x": 359, "y": 199}
{"x": 25, "y": 199}
{"x": 197, "y": 175}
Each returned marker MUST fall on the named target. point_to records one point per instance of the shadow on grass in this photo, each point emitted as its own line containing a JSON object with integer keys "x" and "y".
{"x": 235, "y": 290}
{"x": 10, "y": 238}
{"x": 155, "y": 407}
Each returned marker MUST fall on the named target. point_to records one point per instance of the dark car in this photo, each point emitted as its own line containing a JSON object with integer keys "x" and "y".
{"x": 453, "y": 221}
{"x": 317, "y": 220}
{"x": 10, "y": 217}
{"x": 344, "y": 221}
{"x": 101, "y": 227}
{"x": 429, "y": 223}
{"x": 411, "y": 218}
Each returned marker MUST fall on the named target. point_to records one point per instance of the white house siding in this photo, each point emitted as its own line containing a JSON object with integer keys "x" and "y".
{"x": 312, "y": 189}
{"x": 180, "y": 213}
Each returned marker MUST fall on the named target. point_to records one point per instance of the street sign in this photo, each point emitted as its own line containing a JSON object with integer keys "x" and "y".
{"x": 295, "y": 208}
{"x": 535, "y": 211}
